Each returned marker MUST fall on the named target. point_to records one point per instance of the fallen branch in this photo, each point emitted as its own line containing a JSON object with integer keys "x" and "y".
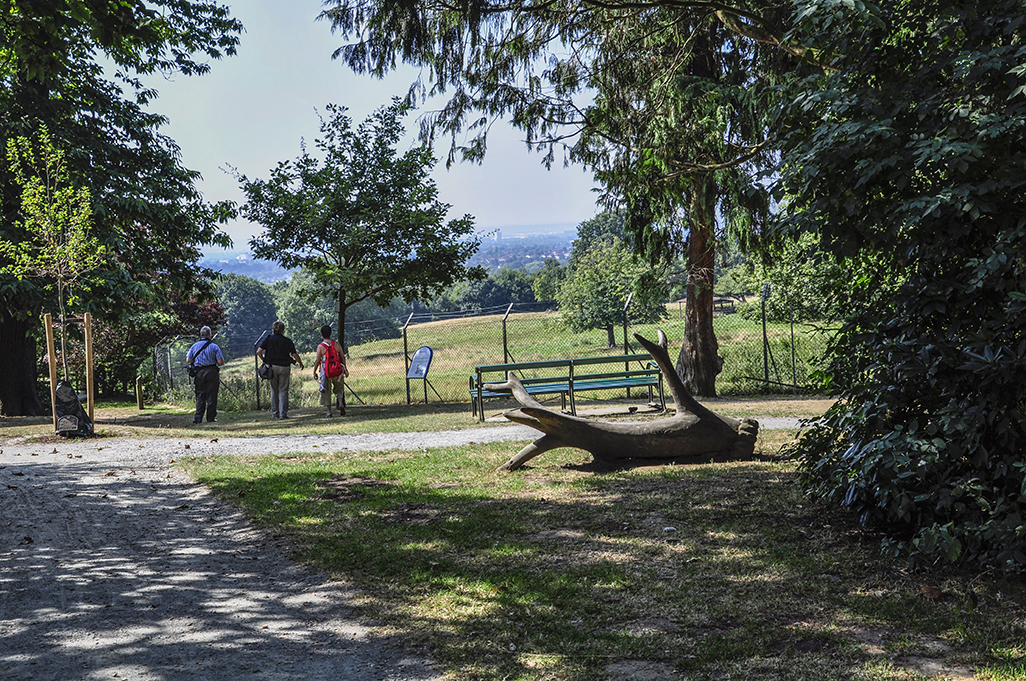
{"x": 694, "y": 435}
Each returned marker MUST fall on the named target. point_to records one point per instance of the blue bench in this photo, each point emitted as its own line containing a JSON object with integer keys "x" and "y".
{"x": 566, "y": 377}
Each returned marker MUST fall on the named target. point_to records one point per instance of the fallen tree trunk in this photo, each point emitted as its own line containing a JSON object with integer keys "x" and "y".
{"x": 694, "y": 435}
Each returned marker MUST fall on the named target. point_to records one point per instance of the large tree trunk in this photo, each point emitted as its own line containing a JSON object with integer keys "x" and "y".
{"x": 18, "y": 368}
{"x": 699, "y": 361}
{"x": 611, "y": 336}
{"x": 340, "y": 303}
{"x": 342, "y": 344}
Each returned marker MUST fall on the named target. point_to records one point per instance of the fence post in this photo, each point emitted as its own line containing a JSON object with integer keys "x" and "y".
{"x": 170, "y": 370}
{"x": 765, "y": 337}
{"x": 626, "y": 345}
{"x": 256, "y": 371}
{"x": 256, "y": 366}
{"x": 505, "y": 343}
{"x": 406, "y": 361}
{"x": 794, "y": 364}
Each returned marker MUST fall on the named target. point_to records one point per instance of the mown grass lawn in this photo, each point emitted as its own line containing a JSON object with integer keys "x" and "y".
{"x": 562, "y": 571}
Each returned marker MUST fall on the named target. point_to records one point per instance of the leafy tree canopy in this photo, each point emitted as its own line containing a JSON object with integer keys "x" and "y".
{"x": 596, "y": 290}
{"x": 304, "y": 308}
{"x": 365, "y": 220}
{"x": 498, "y": 290}
{"x": 911, "y": 154}
{"x": 606, "y": 227}
{"x": 145, "y": 209}
{"x": 667, "y": 102}
{"x": 546, "y": 282}
{"x": 58, "y": 248}
{"x": 517, "y": 284}
{"x": 249, "y": 310}
{"x": 40, "y": 39}
{"x": 650, "y": 95}
{"x": 527, "y": 60}
{"x": 805, "y": 282}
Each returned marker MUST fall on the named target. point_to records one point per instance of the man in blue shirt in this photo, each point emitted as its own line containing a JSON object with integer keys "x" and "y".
{"x": 206, "y": 357}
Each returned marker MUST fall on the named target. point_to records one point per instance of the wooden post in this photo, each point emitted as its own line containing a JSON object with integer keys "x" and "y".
{"x": 138, "y": 392}
{"x": 90, "y": 391}
{"x": 51, "y": 356}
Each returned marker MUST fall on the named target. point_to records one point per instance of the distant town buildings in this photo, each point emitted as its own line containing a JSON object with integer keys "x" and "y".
{"x": 520, "y": 251}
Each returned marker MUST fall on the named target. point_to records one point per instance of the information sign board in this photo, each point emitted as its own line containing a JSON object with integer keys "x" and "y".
{"x": 420, "y": 363}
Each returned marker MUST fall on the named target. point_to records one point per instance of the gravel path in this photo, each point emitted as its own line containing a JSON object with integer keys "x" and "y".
{"x": 115, "y": 566}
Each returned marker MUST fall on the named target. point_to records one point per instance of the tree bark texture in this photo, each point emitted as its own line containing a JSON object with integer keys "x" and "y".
{"x": 694, "y": 435}
{"x": 699, "y": 361}
{"x": 341, "y": 330}
{"x": 18, "y": 368}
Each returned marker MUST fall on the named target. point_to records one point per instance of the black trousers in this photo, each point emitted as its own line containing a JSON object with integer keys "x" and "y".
{"x": 208, "y": 380}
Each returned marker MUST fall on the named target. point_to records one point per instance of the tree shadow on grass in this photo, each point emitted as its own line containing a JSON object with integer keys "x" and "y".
{"x": 699, "y": 571}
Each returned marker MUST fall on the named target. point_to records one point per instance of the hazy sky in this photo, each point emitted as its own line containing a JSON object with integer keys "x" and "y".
{"x": 253, "y": 109}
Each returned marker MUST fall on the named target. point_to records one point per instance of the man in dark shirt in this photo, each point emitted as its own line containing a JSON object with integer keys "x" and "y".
{"x": 279, "y": 352}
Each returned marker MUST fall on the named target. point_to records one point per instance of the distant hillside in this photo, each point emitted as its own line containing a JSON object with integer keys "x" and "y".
{"x": 526, "y": 252}
{"x": 246, "y": 265}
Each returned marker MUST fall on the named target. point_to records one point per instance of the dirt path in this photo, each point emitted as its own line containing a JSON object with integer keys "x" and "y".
{"x": 120, "y": 569}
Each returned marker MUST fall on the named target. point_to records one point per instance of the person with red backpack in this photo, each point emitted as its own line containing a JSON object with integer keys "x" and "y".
{"x": 331, "y": 362}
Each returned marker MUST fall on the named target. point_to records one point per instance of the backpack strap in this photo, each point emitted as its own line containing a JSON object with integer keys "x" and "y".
{"x": 200, "y": 352}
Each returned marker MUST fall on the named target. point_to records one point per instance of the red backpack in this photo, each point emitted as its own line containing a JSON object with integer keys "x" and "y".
{"x": 333, "y": 366}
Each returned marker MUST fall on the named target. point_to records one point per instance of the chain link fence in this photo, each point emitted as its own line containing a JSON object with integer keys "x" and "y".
{"x": 760, "y": 356}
